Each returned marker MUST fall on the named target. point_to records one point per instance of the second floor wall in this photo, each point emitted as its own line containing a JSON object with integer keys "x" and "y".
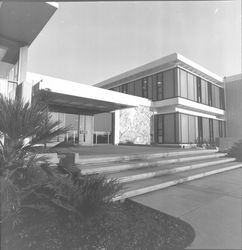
{"x": 175, "y": 82}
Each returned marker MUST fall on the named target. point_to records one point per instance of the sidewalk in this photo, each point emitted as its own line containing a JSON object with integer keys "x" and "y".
{"x": 211, "y": 205}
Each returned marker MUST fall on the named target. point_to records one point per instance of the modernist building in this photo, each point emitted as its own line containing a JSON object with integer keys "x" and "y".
{"x": 168, "y": 101}
{"x": 187, "y": 102}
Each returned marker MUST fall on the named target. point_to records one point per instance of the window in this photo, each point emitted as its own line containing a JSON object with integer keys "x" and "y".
{"x": 138, "y": 88}
{"x": 215, "y": 129}
{"x": 169, "y": 128}
{"x": 199, "y": 90}
{"x": 204, "y": 88}
{"x": 154, "y": 90}
{"x": 221, "y": 98}
{"x": 183, "y": 83}
{"x": 150, "y": 87}
{"x": 160, "y": 121}
{"x": 124, "y": 88}
{"x": 145, "y": 87}
{"x": 159, "y": 87}
{"x": 192, "y": 129}
{"x": 211, "y": 134}
{"x": 210, "y": 103}
{"x": 130, "y": 88}
{"x": 206, "y": 135}
{"x": 215, "y": 92}
{"x": 222, "y": 130}
{"x": 200, "y": 129}
{"x": 184, "y": 128}
{"x": 191, "y": 95}
{"x": 168, "y": 84}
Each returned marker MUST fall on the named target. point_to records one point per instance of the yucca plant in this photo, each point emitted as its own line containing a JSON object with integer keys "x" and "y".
{"x": 82, "y": 195}
{"x": 22, "y": 125}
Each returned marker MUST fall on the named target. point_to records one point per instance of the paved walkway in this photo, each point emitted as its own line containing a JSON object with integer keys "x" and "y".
{"x": 212, "y": 206}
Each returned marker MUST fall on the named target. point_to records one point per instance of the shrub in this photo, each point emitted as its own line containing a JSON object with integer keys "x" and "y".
{"x": 236, "y": 151}
{"x": 82, "y": 195}
{"x": 22, "y": 172}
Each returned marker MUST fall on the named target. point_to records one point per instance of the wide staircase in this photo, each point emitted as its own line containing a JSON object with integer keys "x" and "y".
{"x": 145, "y": 173}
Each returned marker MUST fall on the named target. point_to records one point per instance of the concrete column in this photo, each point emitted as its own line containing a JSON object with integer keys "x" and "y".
{"x": 22, "y": 71}
{"x": 89, "y": 128}
{"x": 116, "y": 126}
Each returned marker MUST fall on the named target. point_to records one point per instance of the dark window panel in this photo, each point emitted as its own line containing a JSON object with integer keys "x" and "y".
{"x": 169, "y": 128}
{"x": 221, "y": 98}
{"x": 154, "y": 87}
{"x": 211, "y": 132}
{"x": 176, "y": 81}
{"x": 222, "y": 129}
{"x": 130, "y": 88}
{"x": 200, "y": 129}
{"x": 215, "y": 129}
{"x": 160, "y": 128}
{"x": 159, "y": 87}
{"x": 150, "y": 87}
{"x": 168, "y": 84}
{"x": 138, "y": 88}
{"x": 210, "y": 102}
{"x": 145, "y": 87}
{"x": 199, "y": 90}
{"x": 124, "y": 88}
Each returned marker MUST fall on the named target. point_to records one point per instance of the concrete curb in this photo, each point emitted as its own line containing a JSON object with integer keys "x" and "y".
{"x": 156, "y": 187}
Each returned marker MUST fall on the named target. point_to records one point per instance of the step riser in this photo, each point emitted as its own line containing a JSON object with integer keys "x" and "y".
{"x": 172, "y": 171}
{"x": 141, "y": 157}
{"x": 120, "y": 168}
{"x": 149, "y": 189}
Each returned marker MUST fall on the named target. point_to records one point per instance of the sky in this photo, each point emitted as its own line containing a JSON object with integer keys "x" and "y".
{"x": 89, "y": 42}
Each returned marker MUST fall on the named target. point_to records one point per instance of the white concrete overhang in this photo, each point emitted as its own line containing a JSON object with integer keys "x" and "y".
{"x": 183, "y": 105}
{"x": 73, "y": 97}
{"x": 164, "y": 63}
{"x": 20, "y": 24}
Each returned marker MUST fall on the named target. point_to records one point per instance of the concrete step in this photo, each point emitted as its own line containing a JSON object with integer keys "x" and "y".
{"x": 157, "y": 183}
{"x": 118, "y": 167}
{"x": 141, "y": 174}
{"x": 87, "y": 160}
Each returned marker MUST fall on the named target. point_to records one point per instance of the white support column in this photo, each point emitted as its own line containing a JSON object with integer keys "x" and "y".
{"x": 22, "y": 71}
{"x": 116, "y": 126}
{"x": 23, "y": 61}
{"x": 88, "y": 129}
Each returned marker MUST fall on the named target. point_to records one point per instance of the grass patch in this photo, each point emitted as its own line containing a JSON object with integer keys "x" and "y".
{"x": 127, "y": 225}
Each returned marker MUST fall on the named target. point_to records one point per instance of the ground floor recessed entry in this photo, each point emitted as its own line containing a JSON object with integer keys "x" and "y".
{"x": 84, "y": 129}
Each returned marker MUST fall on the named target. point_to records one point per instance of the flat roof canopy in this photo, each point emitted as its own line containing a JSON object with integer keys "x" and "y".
{"x": 20, "y": 24}
{"x": 71, "y": 97}
{"x": 156, "y": 66}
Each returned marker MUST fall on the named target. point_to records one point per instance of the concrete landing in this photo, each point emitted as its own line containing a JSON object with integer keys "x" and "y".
{"x": 212, "y": 205}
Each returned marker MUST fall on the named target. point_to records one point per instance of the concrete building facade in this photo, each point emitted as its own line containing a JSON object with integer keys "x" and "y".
{"x": 187, "y": 101}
